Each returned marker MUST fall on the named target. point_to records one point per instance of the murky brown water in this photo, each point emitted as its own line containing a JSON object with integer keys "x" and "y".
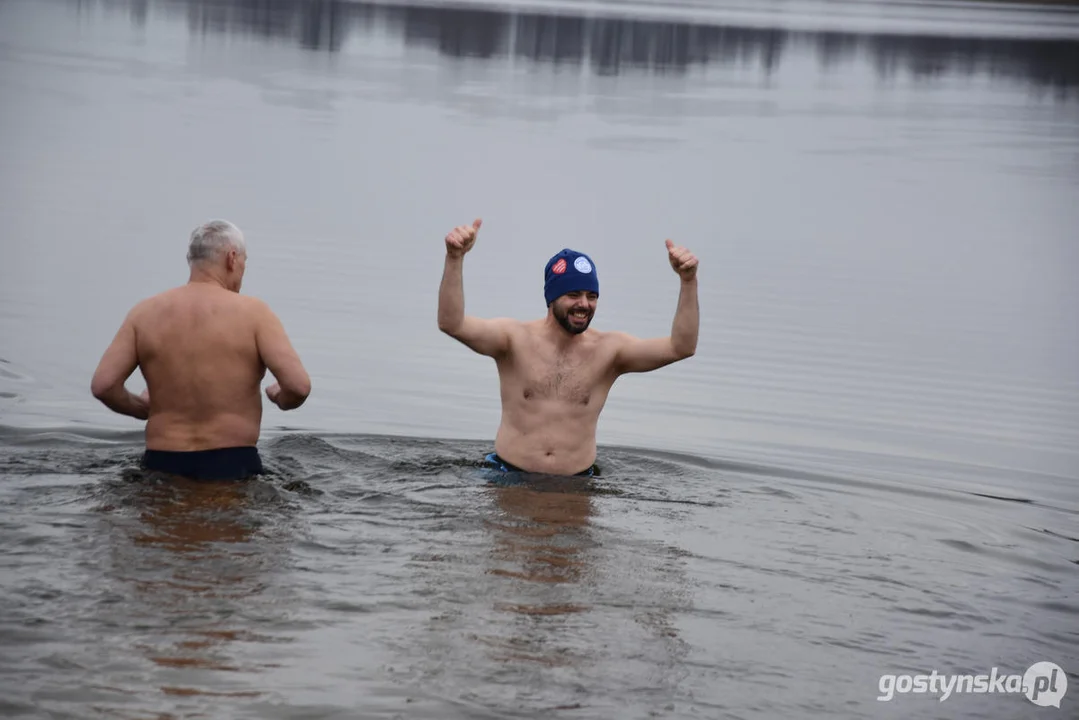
{"x": 869, "y": 467}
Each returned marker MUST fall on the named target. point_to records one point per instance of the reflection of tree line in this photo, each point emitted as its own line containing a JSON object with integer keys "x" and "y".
{"x": 610, "y": 45}
{"x": 1051, "y": 63}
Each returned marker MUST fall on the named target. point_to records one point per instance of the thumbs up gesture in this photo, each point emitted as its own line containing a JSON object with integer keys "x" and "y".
{"x": 682, "y": 260}
{"x": 462, "y": 238}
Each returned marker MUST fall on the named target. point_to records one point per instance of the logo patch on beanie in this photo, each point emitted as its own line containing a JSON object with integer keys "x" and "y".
{"x": 582, "y": 265}
{"x": 559, "y": 267}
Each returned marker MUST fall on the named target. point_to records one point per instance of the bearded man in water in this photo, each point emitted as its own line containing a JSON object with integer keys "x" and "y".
{"x": 555, "y": 372}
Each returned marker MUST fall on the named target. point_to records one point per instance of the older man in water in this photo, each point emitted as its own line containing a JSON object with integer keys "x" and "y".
{"x": 555, "y": 372}
{"x": 203, "y": 349}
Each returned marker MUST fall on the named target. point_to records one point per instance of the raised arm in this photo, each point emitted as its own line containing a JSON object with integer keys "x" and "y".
{"x": 485, "y": 336}
{"x": 116, "y": 366}
{"x": 644, "y": 355}
{"x": 293, "y": 383}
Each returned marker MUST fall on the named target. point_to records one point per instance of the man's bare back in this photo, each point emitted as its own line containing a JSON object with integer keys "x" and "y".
{"x": 555, "y": 373}
{"x": 198, "y": 349}
{"x": 203, "y": 349}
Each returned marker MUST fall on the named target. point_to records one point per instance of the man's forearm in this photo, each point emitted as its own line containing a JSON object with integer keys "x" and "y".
{"x": 451, "y": 294}
{"x": 686, "y": 320}
{"x": 119, "y": 400}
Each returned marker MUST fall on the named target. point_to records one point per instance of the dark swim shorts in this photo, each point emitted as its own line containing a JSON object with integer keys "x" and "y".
{"x": 497, "y": 463}
{"x": 233, "y": 463}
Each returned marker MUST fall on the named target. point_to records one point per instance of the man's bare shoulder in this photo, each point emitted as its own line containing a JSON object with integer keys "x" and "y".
{"x": 188, "y": 298}
{"x": 258, "y": 311}
{"x": 515, "y": 325}
{"x": 252, "y": 304}
{"x": 246, "y": 304}
{"x": 149, "y": 307}
{"x": 606, "y": 338}
{"x": 524, "y": 329}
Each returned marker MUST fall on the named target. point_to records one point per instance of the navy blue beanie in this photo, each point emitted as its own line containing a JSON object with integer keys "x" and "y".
{"x": 568, "y": 271}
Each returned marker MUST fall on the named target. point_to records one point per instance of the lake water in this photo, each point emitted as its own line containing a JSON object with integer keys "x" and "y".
{"x": 870, "y": 467}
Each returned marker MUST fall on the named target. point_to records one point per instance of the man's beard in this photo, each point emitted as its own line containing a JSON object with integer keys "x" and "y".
{"x": 563, "y": 320}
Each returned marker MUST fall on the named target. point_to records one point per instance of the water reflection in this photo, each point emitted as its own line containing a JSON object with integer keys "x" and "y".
{"x": 542, "y": 536}
{"x": 538, "y": 559}
{"x": 195, "y": 563}
{"x": 557, "y": 562}
{"x": 609, "y": 45}
{"x": 562, "y": 587}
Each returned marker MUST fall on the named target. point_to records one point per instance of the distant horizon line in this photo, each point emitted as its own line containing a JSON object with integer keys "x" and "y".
{"x": 612, "y": 45}
{"x": 703, "y": 13}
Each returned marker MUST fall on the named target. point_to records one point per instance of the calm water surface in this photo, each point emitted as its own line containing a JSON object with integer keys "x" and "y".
{"x": 871, "y": 465}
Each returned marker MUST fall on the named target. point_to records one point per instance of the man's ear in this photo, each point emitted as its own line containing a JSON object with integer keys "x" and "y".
{"x": 230, "y": 260}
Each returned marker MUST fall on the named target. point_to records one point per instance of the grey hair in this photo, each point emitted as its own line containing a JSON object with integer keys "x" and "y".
{"x": 214, "y": 238}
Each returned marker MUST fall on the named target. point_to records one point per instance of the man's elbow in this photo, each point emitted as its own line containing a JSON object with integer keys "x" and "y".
{"x": 101, "y": 388}
{"x": 453, "y": 329}
{"x": 684, "y": 352}
{"x": 300, "y": 391}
